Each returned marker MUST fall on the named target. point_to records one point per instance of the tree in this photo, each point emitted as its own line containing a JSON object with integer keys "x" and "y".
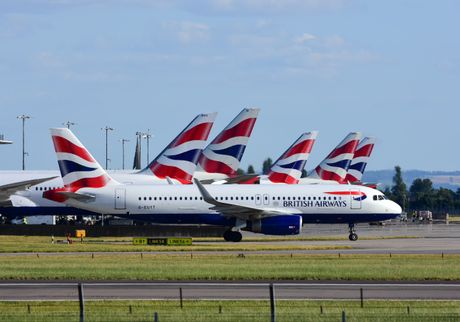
{"x": 267, "y": 165}
{"x": 399, "y": 189}
{"x": 422, "y": 194}
{"x": 239, "y": 171}
{"x": 444, "y": 199}
{"x": 250, "y": 170}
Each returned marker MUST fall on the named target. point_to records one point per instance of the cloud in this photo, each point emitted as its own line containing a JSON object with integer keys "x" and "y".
{"x": 188, "y": 32}
{"x": 304, "y": 38}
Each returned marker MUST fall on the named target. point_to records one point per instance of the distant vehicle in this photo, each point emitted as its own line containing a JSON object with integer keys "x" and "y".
{"x": 267, "y": 209}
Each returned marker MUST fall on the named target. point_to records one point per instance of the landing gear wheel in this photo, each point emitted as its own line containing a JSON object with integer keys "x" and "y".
{"x": 353, "y": 236}
{"x": 233, "y": 236}
{"x": 236, "y": 236}
{"x": 227, "y": 234}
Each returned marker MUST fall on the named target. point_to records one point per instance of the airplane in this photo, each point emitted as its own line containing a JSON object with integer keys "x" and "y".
{"x": 333, "y": 169}
{"x": 360, "y": 160}
{"x": 221, "y": 158}
{"x": 176, "y": 163}
{"x": 286, "y": 169}
{"x": 266, "y": 209}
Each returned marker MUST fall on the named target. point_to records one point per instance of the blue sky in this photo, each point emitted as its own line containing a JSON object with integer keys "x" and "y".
{"x": 387, "y": 68}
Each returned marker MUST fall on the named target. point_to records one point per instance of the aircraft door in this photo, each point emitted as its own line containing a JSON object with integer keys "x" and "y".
{"x": 258, "y": 200}
{"x": 120, "y": 198}
{"x": 266, "y": 199}
{"x": 355, "y": 199}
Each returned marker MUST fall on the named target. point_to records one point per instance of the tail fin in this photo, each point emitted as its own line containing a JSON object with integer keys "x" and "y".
{"x": 178, "y": 160}
{"x": 78, "y": 167}
{"x": 335, "y": 165}
{"x": 360, "y": 160}
{"x": 288, "y": 168}
{"x": 224, "y": 153}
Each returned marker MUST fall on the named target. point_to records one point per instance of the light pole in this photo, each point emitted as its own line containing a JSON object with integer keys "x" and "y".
{"x": 140, "y": 135}
{"x": 23, "y": 118}
{"x": 123, "y": 151}
{"x": 68, "y": 124}
{"x": 107, "y": 129}
{"x": 147, "y": 136}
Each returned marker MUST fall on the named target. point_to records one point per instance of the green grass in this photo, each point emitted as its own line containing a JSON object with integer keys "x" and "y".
{"x": 185, "y": 266}
{"x": 31, "y": 244}
{"x": 304, "y": 310}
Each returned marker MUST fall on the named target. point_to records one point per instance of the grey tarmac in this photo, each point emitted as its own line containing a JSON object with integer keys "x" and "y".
{"x": 45, "y": 291}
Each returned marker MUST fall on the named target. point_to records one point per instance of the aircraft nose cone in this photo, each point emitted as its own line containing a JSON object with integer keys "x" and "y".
{"x": 395, "y": 208}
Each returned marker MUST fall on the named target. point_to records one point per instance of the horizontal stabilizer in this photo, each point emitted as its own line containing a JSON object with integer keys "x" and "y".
{"x": 77, "y": 196}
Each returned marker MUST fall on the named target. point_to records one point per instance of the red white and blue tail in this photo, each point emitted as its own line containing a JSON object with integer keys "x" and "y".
{"x": 179, "y": 159}
{"x": 360, "y": 160}
{"x": 288, "y": 168}
{"x": 335, "y": 165}
{"x": 78, "y": 167}
{"x": 224, "y": 153}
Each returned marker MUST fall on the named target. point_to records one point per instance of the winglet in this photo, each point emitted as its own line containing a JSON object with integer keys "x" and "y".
{"x": 204, "y": 193}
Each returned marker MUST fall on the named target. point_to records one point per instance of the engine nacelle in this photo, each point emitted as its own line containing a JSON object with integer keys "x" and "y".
{"x": 277, "y": 225}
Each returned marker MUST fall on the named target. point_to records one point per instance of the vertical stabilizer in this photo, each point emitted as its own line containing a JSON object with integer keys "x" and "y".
{"x": 224, "y": 153}
{"x": 335, "y": 165}
{"x": 288, "y": 168}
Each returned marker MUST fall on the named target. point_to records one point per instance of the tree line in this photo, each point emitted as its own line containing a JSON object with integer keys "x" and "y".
{"x": 421, "y": 195}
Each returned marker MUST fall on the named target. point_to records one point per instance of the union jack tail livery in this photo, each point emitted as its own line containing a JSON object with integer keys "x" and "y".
{"x": 288, "y": 168}
{"x": 78, "y": 167}
{"x": 335, "y": 165}
{"x": 178, "y": 160}
{"x": 223, "y": 154}
{"x": 360, "y": 160}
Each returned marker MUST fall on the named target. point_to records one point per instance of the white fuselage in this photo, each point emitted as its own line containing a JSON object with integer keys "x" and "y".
{"x": 302, "y": 200}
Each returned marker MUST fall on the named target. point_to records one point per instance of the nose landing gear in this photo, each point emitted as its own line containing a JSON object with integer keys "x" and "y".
{"x": 353, "y": 235}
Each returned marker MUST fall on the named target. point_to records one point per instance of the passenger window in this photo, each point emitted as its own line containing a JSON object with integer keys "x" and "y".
{"x": 140, "y": 198}
{"x": 150, "y": 198}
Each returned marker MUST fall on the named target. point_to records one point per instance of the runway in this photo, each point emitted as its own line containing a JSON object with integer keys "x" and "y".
{"x": 228, "y": 291}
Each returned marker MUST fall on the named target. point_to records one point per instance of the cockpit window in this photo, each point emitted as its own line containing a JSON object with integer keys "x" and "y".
{"x": 381, "y": 197}
{"x": 375, "y": 197}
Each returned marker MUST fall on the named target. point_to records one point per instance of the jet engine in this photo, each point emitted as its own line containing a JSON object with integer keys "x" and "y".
{"x": 276, "y": 225}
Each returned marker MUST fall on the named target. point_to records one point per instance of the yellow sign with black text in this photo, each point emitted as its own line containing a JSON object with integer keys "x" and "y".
{"x": 167, "y": 241}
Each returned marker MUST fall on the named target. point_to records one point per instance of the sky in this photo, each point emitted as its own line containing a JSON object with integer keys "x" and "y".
{"x": 390, "y": 69}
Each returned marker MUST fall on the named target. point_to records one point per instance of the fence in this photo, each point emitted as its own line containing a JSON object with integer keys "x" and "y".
{"x": 227, "y": 302}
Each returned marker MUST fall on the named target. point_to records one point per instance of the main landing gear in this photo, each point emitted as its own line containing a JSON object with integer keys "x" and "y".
{"x": 353, "y": 235}
{"x": 234, "y": 236}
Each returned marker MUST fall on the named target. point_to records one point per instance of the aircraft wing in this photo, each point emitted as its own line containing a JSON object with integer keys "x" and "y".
{"x": 8, "y": 189}
{"x": 238, "y": 211}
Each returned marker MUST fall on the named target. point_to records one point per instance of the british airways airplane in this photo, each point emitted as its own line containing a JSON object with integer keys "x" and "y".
{"x": 266, "y": 209}
{"x": 175, "y": 164}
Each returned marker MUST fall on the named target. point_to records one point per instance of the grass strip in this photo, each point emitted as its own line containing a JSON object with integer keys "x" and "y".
{"x": 170, "y": 310}
{"x": 189, "y": 266}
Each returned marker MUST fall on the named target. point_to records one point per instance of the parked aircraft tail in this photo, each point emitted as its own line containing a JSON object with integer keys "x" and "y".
{"x": 335, "y": 165}
{"x": 288, "y": 168}
{"x": 224, "y": 153}
{"x": 178, "y": 160}
{"x": 360, "y": 160}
